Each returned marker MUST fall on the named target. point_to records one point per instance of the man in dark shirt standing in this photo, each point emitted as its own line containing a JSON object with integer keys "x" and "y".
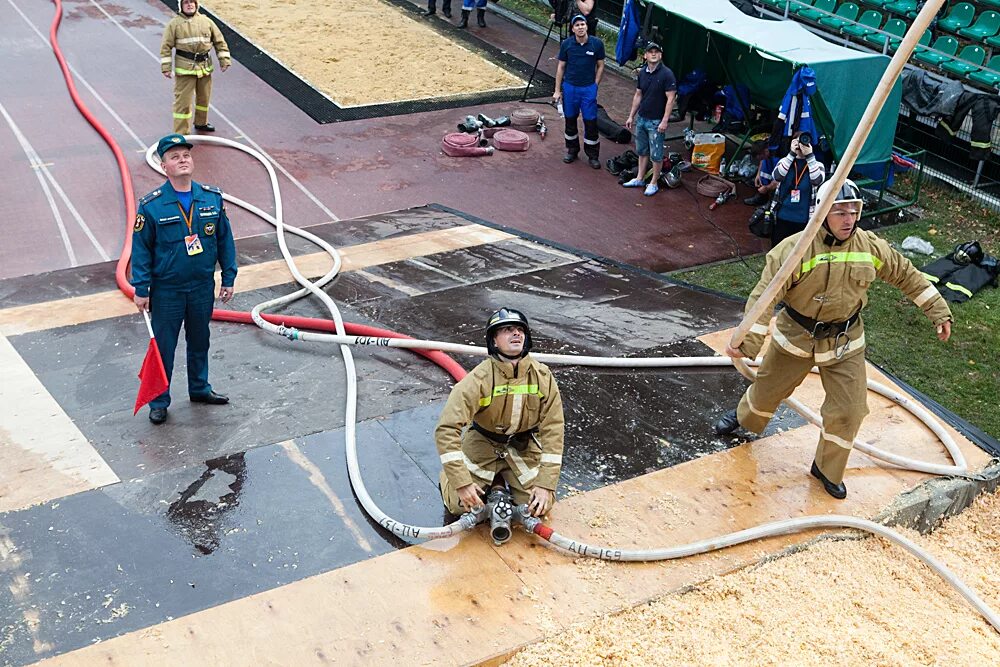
{"x": 655, "y": 92}
{"x": 581, "y": 65}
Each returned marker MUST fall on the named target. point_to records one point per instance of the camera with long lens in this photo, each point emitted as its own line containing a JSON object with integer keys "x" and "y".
{"x": 805, "y": 139}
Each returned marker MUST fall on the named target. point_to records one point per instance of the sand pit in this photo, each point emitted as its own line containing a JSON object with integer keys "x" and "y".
{"x": 852, "y": 602}
{"x": 362, "y": 52}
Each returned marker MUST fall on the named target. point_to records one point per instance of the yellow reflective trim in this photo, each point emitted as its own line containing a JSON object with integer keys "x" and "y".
{"x": 505, "y": 389}
{"x": 841, "y": 258}
{"x": 933, "y": 279}
{"x": 200, "y": 108}
{"x": 192, "y": 72}
{"x": 959, "y": 288}
{"x": 182, "y": 115}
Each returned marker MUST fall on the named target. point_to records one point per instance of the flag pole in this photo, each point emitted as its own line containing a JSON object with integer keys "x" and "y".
{"x": 149, "y": 324}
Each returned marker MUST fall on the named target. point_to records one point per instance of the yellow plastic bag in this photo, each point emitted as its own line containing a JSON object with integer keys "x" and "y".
{"x": 709, "y": 149}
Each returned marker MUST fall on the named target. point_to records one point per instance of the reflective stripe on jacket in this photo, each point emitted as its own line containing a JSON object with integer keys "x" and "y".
{"x": 503, "y": 403}
{"x": 830, "y": 285}
{"x": 197, "y": 34}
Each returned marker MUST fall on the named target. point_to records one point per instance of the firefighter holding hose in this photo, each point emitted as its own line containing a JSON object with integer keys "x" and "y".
{"x": 820, "y": 325}
{"x": 511, "y": 413}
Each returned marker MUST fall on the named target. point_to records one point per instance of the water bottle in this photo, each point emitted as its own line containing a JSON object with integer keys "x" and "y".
{"x": 722, "y": 167}
{"x": 559, "y": 108}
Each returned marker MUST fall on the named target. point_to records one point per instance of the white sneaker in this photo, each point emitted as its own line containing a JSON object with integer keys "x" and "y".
{"x": 634, "y": 183}
{"x": 651, "y": 189}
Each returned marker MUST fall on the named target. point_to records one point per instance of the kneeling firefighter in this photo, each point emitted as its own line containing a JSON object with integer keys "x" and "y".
{"x": 821, "y": 325}
{"x": 511, "y": 412}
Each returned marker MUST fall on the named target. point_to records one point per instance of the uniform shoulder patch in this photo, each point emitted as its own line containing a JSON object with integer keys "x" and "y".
{"x": 150, "y": 197}
{"x": 212, "y": 188}
{"x": 140, "y": 222}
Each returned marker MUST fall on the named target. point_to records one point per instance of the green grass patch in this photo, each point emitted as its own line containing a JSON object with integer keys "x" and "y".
{"x": 962, "y": 374}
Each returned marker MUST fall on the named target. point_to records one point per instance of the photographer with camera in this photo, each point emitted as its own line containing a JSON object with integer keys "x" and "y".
{"x": 796, "y": 193}
{"x": 581, "y": 66}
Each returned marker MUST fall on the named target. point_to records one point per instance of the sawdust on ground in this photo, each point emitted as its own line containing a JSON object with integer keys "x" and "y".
{"x": 852, "y": 602}
{"x": 361, "y": 52}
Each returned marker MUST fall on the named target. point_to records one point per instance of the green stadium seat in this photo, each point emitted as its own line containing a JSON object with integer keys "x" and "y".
{"x": 866, "y": 25}
{"x": 879, "y": 4}
{"x": 959, "y": 17}
{"x": 989, "y": 75}
{"x": 894, "y": 27}
{"x": 989, "y": 4}
{"x": 986, "y": 25}
{"x": 993, "y": 41}
{"x": 815, "y": 13}
{"x": 922, "y": 43}
{"x": 969, "y": 60}
{"x": 774, "y": 4}
{"x": 941, "y": 51}
{"x": 901, "y": 7}
{"x": 846, "y": 14}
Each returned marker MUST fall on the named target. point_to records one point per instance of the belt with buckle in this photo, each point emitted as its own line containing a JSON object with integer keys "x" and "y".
{"x": 518, "y": 441}
{"x": 819, "y": 329}
{"x": 197, "y": 57}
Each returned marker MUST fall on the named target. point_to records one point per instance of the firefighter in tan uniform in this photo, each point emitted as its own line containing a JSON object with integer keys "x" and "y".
{"x": 821, "y": 325}
{"x": 512, "y": 408}
{"x": 192, "y": 35}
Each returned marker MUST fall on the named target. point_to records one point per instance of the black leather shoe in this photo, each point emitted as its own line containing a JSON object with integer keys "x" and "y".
{"x": 207, "y": 127}
{"x": 594, "y": 163}
{"x": 428, "y": 12}
{"x": 211, "y": 398}
{"x": 569, "y": 157}
{"x": 838, "y": 491}
{"x": 157, "y": 415}
{"x": 727, "y": 423}
{"x": 447, "y": 13}
{"x": 757, "y": 200}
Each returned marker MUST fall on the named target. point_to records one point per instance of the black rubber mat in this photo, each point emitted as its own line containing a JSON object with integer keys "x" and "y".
{"x": 322, "y": 109}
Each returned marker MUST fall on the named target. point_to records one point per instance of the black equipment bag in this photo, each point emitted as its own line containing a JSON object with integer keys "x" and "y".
{"x": 610, "y": 128}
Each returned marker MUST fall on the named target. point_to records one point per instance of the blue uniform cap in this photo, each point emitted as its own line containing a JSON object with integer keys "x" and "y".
{"x": 171, "y": 141}
{"x": 578, "y": 17}
{"x": 653, "y": 46}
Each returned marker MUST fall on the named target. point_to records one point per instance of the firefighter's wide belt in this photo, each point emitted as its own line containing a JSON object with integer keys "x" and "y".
{"x": 819, "y": 329}
{"x": 197, "y": 57}
{"x": 518, "y": 441}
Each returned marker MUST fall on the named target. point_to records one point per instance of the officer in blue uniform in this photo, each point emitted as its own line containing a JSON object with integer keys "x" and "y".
{"x": 181, "y": 232}
{"x": 578, "y": 74}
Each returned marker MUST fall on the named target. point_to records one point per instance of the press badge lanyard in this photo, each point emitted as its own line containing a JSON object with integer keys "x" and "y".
{"x": 795, "y": 194}
{"x": 191, "y": 242}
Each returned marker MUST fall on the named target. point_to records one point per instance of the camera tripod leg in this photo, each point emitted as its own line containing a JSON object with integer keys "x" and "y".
{"x": 534, "y": 70}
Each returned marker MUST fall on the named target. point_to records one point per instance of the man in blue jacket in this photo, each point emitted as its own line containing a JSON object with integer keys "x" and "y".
{"x": 181, "y": 232}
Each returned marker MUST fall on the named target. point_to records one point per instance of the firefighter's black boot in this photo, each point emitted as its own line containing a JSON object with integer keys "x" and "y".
{"x": 838, "y": 491}
{"x": 727, "y": 423}
{"x": 465, "y": 19}
{"x": 481, "y": 18}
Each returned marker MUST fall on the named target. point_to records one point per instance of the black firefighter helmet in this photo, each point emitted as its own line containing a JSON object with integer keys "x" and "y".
{"x": 501, "y": 318}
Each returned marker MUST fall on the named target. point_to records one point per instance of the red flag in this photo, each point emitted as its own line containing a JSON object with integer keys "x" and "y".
{"x": 152, "y": 375}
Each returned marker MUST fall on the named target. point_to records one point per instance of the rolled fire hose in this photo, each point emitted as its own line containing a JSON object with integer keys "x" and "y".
{"x": 469, "y": 520}
{"x": 524, "y": 119}
{"x": 713, "y": 186}
{"x": 511, "y": 140}
{"x": 461, "y": 144}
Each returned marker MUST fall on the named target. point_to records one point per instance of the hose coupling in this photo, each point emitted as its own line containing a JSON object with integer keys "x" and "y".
{"x": 501, "y": 511}
{"x": 291, "y": 333}
{"x": 470, "y": 520}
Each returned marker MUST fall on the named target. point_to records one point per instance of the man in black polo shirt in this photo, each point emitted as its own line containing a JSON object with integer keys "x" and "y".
{"x": 652, "y": 103}
{"x": 581, "y": 65}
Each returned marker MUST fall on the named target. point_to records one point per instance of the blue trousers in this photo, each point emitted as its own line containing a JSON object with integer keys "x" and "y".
{"x": 473, "y": 4}
{"x": 168, "y": 309}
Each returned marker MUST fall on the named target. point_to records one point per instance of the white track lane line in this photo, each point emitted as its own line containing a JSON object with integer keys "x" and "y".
{"x": 79, "y": 77}
{"x": 26, "y": 147}
{"x": 233, "y": 125}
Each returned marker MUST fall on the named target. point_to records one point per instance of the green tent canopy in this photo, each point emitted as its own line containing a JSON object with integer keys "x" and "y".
{"x": 732, "y": 47}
